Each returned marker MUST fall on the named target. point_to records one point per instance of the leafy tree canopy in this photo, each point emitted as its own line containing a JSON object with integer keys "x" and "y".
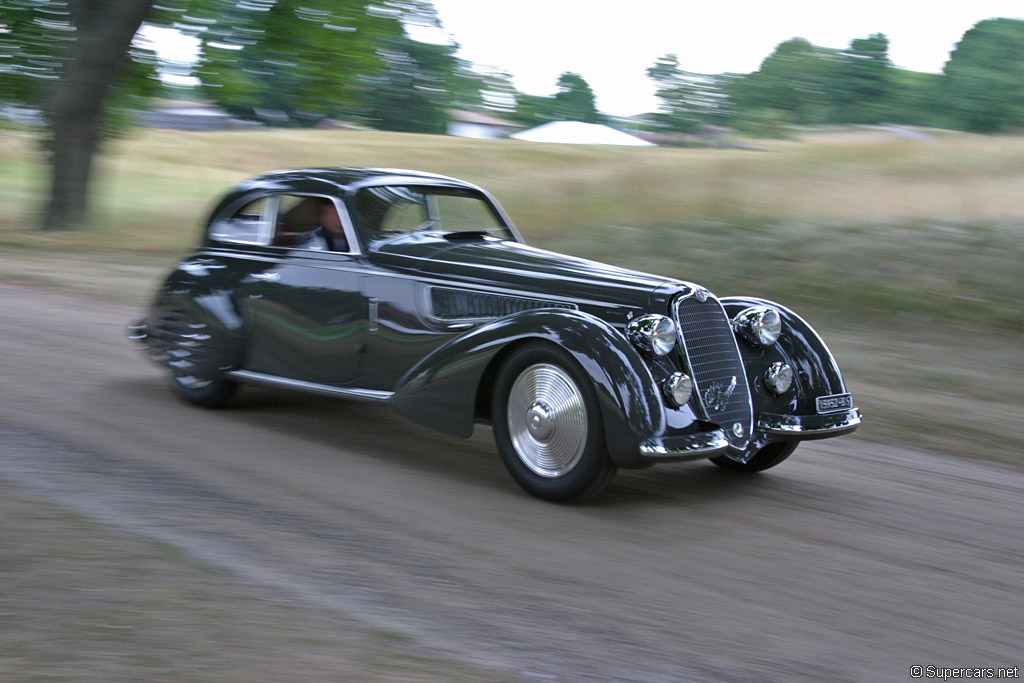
{"x": 416, "y": 87}
{"x": 982, "y": 87}
{"x": 574, "y": 101}
{"x": 293, "y": 62}
{"x": 687, "y": 99}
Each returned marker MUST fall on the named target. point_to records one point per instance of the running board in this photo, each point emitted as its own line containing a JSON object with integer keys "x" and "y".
{"x": 367, "y": 395}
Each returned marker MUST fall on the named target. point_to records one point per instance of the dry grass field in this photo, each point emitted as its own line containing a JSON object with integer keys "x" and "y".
{"x": 903, "y": 247}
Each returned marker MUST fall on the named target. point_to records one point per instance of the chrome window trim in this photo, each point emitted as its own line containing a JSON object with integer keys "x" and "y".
{"x": 264, "y": 230}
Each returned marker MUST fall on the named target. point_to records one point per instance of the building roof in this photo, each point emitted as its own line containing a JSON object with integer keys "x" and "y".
{"x": 579, "y": 133}
{"x": 480, "y": 118}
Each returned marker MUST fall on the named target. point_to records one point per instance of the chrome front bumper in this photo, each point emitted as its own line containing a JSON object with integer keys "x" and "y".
{"x": 786, "y": 427}
{"x": 685, "y": 447}
{"x": 775, "y": 427}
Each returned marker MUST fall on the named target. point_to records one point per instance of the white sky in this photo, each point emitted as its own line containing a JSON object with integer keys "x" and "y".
{"x": 612, "y": 44}
{"x": 537, "y": 40}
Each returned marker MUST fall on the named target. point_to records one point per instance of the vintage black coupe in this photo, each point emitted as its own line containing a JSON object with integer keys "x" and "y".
{"x": 416, "y": 291}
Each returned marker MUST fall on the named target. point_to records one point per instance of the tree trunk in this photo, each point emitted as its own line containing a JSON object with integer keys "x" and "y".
{"x": 103, "y": 35}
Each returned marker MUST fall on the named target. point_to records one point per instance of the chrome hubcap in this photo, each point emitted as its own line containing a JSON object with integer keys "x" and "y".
{"x": 547, "y": 420}
{"x": 539, "y": 421}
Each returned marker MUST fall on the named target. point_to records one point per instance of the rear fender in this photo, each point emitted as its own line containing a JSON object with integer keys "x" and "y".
{"x": 194, "y": 325}
{"x": 441, "y": 390}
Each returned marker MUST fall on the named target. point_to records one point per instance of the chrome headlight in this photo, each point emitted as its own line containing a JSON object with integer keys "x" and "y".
{"x": 678, "y": 388}
{"x": 652, "y": 333}
{"x": 760, "y": 325}
{"x": 778, "y": 378}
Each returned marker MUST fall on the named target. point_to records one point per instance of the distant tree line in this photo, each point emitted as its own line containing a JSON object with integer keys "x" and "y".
{"x": 298, "y": 62}
{"x": 981, "y": 88}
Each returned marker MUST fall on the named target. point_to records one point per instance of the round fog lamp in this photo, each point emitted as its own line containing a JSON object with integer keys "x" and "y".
{"x": 678, "y": 388}
{"x": 779, "y": 378}
{"x": 652, "y": 333}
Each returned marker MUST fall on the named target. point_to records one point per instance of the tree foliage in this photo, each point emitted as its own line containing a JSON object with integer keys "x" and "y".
{"x": 291, "y": 62}
{"x": 419, "y": 82}
{"x": 687, "y": 99}
{"x": 861, "y": 88}
{"x": 982, "y": 86}
{"x": 574, "y": 101}
{"x": 68, "y": 58}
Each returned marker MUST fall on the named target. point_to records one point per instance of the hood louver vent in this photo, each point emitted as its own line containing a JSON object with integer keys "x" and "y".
{"x": 454, "y": 304}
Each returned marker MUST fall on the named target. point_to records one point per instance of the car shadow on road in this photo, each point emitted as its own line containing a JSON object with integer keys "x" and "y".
{"x": 375, "y": 431}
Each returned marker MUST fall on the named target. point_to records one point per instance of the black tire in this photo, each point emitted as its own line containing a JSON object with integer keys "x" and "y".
{"x": 769, "y": 456}
{"x": 203, "y": 393}
{"x": 548, "y": 426}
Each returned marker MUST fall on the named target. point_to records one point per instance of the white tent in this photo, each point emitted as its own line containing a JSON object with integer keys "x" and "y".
{"x": 579, "y": 133}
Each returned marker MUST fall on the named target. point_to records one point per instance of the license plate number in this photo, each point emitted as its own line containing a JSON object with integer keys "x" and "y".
{"x": 831, "y": 404}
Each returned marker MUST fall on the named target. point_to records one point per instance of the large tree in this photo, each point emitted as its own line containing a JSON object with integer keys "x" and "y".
{"x": 65, "y": 57}
{"x": 293, "y": 62}
{"x": 687, "y": 99}
{"x": 69, "y": 57}
{"x": 982, "y": 84}
{"x": 791, "y": 81}
{"x": 861, "y": 87}
{"x": 574, "y": 101}
{"x": 418, "y": 84}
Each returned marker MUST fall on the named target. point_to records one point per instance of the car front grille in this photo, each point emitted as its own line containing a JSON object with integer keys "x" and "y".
{"x": 719, "y": 379}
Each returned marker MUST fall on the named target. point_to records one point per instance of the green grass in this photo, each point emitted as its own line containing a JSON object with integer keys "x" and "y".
{"x": 906, "y": 254}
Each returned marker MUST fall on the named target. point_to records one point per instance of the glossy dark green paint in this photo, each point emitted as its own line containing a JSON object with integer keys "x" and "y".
{"x": 364, "y": 320}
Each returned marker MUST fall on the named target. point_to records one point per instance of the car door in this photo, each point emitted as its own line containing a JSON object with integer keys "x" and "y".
{"x": 307, "y": 316}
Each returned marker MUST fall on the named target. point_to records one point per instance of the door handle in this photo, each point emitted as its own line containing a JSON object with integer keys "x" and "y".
{"x": 267, "y": 277}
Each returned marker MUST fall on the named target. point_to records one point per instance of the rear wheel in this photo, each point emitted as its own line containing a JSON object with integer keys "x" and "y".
{"x": 548, "y": 427}
{"x": 205, "y": 393}
{"x": 769, "y": 456}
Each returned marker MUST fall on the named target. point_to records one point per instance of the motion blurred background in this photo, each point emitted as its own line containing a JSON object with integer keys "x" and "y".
{"x": 882, "y": 202}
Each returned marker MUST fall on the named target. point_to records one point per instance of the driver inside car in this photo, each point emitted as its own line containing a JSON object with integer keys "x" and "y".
{"x": 330, "y": 234}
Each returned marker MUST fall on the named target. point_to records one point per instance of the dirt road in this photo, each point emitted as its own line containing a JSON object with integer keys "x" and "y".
{"x": 854, "y": 561}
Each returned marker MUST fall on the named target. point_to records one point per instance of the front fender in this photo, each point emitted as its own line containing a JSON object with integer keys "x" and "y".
{"x": 440, "y": 391}
{"x": 816, "y": 370}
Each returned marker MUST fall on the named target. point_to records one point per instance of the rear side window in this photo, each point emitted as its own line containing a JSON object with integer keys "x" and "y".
{"x": 250, "y": 224}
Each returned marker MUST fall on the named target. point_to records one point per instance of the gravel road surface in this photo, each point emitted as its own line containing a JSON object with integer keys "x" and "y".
{"x": 853, "y": 561}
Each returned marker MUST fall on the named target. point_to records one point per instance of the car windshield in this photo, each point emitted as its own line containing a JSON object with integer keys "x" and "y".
{"x": 388, "y": 210}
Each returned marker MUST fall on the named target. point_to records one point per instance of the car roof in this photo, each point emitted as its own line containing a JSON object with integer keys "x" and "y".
{"x": 342, "y": 179}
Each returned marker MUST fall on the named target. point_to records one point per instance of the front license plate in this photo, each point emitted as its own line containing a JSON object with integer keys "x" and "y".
{"x": 836, "y": 402}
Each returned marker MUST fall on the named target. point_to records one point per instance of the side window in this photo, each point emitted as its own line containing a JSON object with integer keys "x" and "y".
{"x": 295, "y": 217}
{"x": 247, "y": 225}
{"x": 390, "y": 210}
{"x": 405, "y": 216}
{"x": 309, "y": 222}
{"x": 457, "y": 213}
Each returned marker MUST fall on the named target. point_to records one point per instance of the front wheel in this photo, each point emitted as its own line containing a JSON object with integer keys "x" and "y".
{"x": 205, "y": 393}
{"x": 548, "y": 427}
{"x": 769, "y": 456}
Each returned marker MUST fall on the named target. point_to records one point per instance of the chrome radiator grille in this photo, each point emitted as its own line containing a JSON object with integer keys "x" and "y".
{"x": 720, "y": 382}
